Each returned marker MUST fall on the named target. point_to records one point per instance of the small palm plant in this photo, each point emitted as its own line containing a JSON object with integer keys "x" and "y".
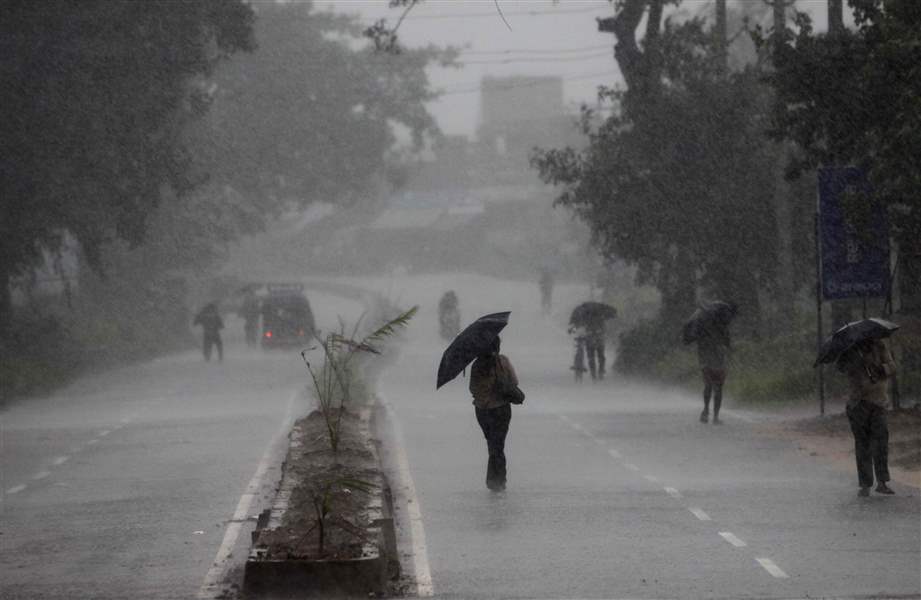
{"x": 322, "y": 504}
{"x": 334, "y": 383}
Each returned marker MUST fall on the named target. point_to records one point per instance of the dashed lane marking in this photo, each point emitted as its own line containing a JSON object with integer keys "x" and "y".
{"x": 632, "y": 466}
{"x": 16, "y": 489}
{"x": 614, "y": 453}
{"x": 772, "y": 568}
{"x": 699, "y": 513}
{"x": 650, "y": 478}
{"x": 732, "y": 539}
{"x": 210, "y": 587}
{"x": 104, "y": 432}
{"x": 41, "y": 475}
{"x": 60, "y": 460}
{"x": 92, "y": 441}
{"x": 672, "y": 492}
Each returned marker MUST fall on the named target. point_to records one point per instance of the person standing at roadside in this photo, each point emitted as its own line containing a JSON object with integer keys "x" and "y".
{"x": 211, "y": 323}
{"x": 250, "y": 312}
{"x": 869, "y": 366}
{"x": 493, "y": 413}
{"x": 712, "y": 351}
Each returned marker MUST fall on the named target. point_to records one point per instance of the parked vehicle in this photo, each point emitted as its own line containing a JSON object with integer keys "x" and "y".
{"x": 287, "y": 320}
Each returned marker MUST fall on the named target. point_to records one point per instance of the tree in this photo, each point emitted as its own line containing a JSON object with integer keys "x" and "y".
{"x": 678, "y": 181}
{"x": 310, "y": 115}
{"x": 854, "y": 97}
{"x": 95, "y": 96}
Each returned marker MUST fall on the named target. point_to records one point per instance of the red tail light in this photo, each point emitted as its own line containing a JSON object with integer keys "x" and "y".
{"x": 300, "y": 332}
{"x": 268, "y": 334}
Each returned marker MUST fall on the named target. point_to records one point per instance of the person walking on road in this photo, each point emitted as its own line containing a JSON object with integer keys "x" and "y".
{"x": 493, "y": 412}
{"x": 869, "y": 366}
{"x": 712, "y": 351}
{"x": 210, "y": 320}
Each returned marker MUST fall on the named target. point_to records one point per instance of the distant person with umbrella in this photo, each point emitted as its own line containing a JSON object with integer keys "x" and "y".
{"x": 590, "y": 317}
{"x": 493, "y": 385}
{"x": 709, "y": 327}
{"x": 859, "y": 350}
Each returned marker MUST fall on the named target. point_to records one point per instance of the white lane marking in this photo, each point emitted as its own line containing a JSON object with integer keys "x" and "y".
{"x": 672, "y": 492}
{"x": 614, "y": 453}
{"x": 565, "y": 419}
{"x": 104, "y": 432}
{"x": 578, "y": 427}
{"x": 60, "y": 460}
{"x": 92, "y": 441}
{"x": 41, "y": 475}
{"x": 699, "y": 513}
{"x": 598, "y": 441}
{"x": 632, "y": 466}
{"x": 732, "y": 539}
{"x": 406, "y": 490}
{"x": 16, "y": 489}
{"x": 771, "y": 568}
{"x": 650, "y": 478}
{"x": 210, "y": 587}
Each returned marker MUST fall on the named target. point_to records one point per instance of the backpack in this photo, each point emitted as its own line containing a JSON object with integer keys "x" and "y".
{"x": 505, "y": 388}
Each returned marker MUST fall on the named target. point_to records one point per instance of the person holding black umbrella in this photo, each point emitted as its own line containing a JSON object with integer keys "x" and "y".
{"x": 493, "y": 411}
{"x": 869, "y": 365}
{"x": 709, "y": 327}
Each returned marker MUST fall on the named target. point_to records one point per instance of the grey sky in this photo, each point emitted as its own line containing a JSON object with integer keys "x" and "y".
{"x": 546, "y": 38}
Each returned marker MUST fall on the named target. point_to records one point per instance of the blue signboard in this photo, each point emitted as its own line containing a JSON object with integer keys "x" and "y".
{"x": 854, "y": 235}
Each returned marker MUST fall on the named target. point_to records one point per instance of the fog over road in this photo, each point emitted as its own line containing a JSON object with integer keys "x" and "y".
{"x": 122, "y": 485}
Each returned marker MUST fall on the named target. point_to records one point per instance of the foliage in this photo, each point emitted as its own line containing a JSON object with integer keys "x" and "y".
{"x": 679, "y": 181}
{"x": 322, "y": 500}
{"x": 335, "y": 382}
{"x": 311, "y": 115}
{"x": 95, "y": 98}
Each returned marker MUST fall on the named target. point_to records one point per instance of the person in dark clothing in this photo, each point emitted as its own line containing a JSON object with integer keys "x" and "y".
{"x": 594, "y": 349}
{"x": 493, "y": 413}
{"x": 448, "y": 315}
{"x": 250, "y": 312}
{"x": 869, "y": 366}
{"x": 712, "y": 351}
{"x": 545, "y": 283}
{"x": 210, "y": 320}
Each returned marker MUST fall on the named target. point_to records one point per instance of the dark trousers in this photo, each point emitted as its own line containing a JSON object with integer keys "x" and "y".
{"x": 871, "y": 441}
{"x": 594, "y": 347}
{"x": 213, "y": 339}
{"x": 494, "y": 423}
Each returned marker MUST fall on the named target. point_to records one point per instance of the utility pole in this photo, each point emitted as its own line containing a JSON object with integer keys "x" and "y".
{"x": 835, "y": 16}
{"x": 722, "y": 38}
{"x": 783, "y": 212}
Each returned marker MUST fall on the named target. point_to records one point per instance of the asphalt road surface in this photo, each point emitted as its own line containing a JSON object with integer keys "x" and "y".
{"x": 140, "y": 482}
{"x": 134, "y": 482}
{"x": 616, "y": 490}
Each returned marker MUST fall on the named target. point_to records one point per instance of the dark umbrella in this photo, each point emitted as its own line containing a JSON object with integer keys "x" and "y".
{"x": 709, "y": 315}
{"x": 589, "y": 313}
{"x": 845, "y": 338}
{"x": 473, "y": 341}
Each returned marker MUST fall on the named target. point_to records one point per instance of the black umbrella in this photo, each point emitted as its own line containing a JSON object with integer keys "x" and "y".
{"x": 709, "y": 315}
{"x": 844, "y": 339}
{"x": 473, "y": 341}
{"x": 591, "y": 313}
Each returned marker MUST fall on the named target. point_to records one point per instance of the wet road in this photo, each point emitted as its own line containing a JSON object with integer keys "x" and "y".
{"x": 124, "y": 485}
{"x": 616, "y": 491}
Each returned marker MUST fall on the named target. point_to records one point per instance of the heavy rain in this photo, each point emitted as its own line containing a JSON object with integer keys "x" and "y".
{"x": 460, "y": 299}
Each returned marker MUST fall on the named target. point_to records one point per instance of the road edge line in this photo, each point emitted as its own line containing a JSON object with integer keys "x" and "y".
{"x": 218, "y": 566}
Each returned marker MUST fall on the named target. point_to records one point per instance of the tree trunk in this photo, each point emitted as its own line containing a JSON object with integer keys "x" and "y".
{"x": 6, "y": 301}
{"x": 783, "y": 214}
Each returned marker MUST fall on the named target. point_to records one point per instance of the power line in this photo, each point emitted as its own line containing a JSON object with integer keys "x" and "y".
{"x": 535, "y": 51}
{"x": 506, "y": 61}
{"x": 518, "y": 13}
{"x": 525, "y": 84}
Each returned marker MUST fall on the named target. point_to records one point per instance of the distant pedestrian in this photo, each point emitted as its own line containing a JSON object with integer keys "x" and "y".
{"x": 250, "y": 312}
{"x": 493, "y": 412}
{"x": 448, "y": 315}
{"x": 869, "y": 366}
{"x": 210, "y": 320}
{"x": 712, "y": 351}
